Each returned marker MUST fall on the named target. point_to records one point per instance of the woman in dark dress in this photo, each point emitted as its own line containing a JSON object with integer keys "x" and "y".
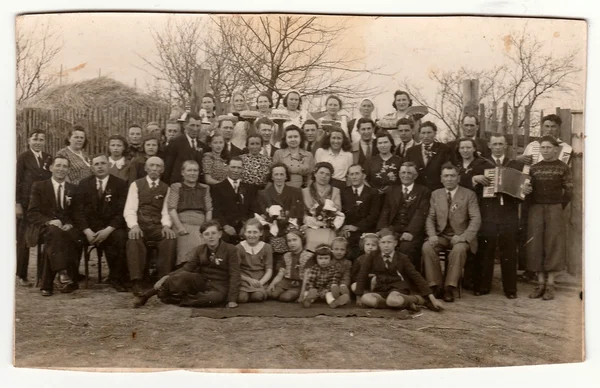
{"x": 384, "y": 167}
{"x": 470, "y": 164}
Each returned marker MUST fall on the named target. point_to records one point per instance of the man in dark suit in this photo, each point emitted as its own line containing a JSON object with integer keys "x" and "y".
{"x": 429, "y": 156}
{"x": 264, "y": 127}
{"x": 134, "y": 140}
{"x": 100, "y": 218}
{"x": 361, "y": 205}
{"x": 364, "y": 149}
{"x": 226, "y": 126}
{"x": 33, "y": 165}
{"x": 311, "y": 132}
{"x": 405, "y": 132}
{"x": 470, "y": 127}
{"x": 499, "y": 228}
{"x": 182, "y": 148}
{"x": 50, "y": 211}
{"x": 233, "y": 202}
{"x": 405, "y": 210}
{"x": 452, "y": 223}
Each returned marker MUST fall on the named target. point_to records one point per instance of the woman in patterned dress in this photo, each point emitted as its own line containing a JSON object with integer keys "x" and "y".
{"x": 214, "y": 163}
{"x": 256, "y": 165}
{"x": 383, "y": 169}
{"x": 79, "y": 162}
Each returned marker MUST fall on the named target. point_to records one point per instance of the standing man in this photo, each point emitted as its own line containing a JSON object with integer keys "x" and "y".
{"x": 429, "y": 156}
{"x": 33, "y": 166}
{"x": 550, "y": 126}
{"x": 233, "y": 201}
{"x": 405, "y": 210}
{"x": 51, "y": 210}
{"x": 100, "y": 217}
{"x": 405, "y": 132}
{"x": 470, "y": 127}
{"x": 311, "y": 131}
{"x": 361, "y": 205}
{"x": 453, "y": 222}
{"x": 148, "y": 220}
{"x": 226, "y": 126}
{"x": 364, "y": 149}
{"x": 264, "y": 126}
{"x": 172, "y": 130}
{"x": 134, "y": 139}
{"x": 183, "y": 147}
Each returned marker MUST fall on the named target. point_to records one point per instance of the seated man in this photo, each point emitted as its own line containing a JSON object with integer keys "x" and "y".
{"x": 100, "y": 217}
{"x": 405, "y": 210}
{"x": 360, "y": 204}
{"x": 453, "y": 222}
{"x": 50, "y": 212}
{"x": 147, "y": 218}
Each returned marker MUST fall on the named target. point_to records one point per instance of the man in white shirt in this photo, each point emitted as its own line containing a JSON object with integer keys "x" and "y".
{"x": 226, "y": 126}
{"x": 147, "y": 217}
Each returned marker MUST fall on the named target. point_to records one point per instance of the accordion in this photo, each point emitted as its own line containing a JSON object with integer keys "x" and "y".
{"x": 505, "y": 180}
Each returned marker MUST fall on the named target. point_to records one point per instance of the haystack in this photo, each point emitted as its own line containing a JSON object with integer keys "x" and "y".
{"x": 101, "y": 92}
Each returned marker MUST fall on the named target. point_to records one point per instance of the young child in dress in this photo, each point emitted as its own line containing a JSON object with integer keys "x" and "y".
{"x": 137, "y": 168}
{"x": 322, "y": 278}
{"x": 369, "y": 242}
{"x": 256, "y": 263}
{"x": 396, "y": 276}
{"x": 339, "y": 248}
{"x": 286, "y": 286}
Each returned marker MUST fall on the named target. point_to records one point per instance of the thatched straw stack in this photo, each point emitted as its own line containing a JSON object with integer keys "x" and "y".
{"x": 102, "y": 92}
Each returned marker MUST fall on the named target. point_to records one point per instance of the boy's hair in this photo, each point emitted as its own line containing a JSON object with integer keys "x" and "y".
{"x": 364, "y": 237}
{"x": 323, "y": 250}
{"x": 208, "y": 224}
{"x": 387, "y": 232}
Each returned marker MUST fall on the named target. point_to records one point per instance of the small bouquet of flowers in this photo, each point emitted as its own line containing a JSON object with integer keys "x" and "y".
{"x": 279, "y": 223}
{"x": 325, "y": 216}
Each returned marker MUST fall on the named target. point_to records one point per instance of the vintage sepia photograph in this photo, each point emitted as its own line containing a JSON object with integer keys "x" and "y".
{"x": 298, "y": 192}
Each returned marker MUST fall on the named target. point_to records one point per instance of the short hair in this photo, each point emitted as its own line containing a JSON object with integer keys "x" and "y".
{"x": 333, "y": 96}
{"x": 323, "y": 250}
{"x": 321, "y": 165}
{"x": 387, "y": 232}
{"x": 470, "y": 115}
{"x": 192, "y": 115}
{"x": 405, "y": 121}
{"x": 387, "y": 135}
{"x": 188, "y": 163}
{"x": 310, "y": 122}
{"x": 97, "y": 156}
{"x": 207, "y": 224}
{"x": 212, "y": 97}
{"x": 551, "y": 139}
{"x": 290, "y": 128}
{"x": 77, "y": 128}
{"x": 118, "y": 137}
{"x": 263, "y": 121}
{"x": 173, "y": 121}
{"x": 285, "y": 98}
{"x": 450, "y": 166}
{"x": 429, "y": 124}
{"x": 362, "y": 169}
{"x": 457, "y": 152}
{"x": 61, "y": 157}
{"x": 410, "y": 164}
{"x": 36, "y": 131}
{"x": 275, "y": 165}
{"x": 326, "y": 142}
{"x": 235, "y": 159}
{"x": 254, "y": 135}
{"x": 269, "y": 97}
{"x": 152, "y": 123}
{"x": 251, "y": 222}
{"x": 400, "y": 92}
{"x": 365, "y": 120}
{"x": 226, "y": 118}
{"x": 554, "y": 118}
{"x": 497, "y": 134}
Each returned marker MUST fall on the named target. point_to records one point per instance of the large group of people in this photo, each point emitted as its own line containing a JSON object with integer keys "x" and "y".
{"x": 221, "y": 209}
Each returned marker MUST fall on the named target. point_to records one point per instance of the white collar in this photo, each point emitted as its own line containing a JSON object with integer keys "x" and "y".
{"x": 333, "y": 154}
{"x": 410, "y": 188}
{"x": 104, "y": 181}
{"x": 150, "y": 181}
{"x": 190, "y": 140}
{"x": 452, "y": 192}
{"x": 38, "y": 154}
{"x": 56, "y": 184}
{"x": 117, "y": 163}
{"x": 231, "y": 181}
{"x": 252, "y": 250}
{"x": 501, "y": 158}
{"x": 359, "y": 189}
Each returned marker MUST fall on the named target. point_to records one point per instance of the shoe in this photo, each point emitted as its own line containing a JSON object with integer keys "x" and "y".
{"x": 437, "y": 291}
{"x": 63, "y": 278}
{"x": 549, "y": 293}
{"x": 511, "y": 295}
{"x": 430, "y": 306}
{"x": 139, "y": 301}
{"x": 117, "y": 285}
{"x": 24, "y": 283}
{"x": 335, "y": 291}
{"x": 46, "y": 293}
{"x": 449, "y": 294}
{"x": 309, "y": 298}
{"x": 340, "y": 301}
{"x": 69, "y": 288}
{"x": 538, "y": 291}
{"x": 137, "y": 288}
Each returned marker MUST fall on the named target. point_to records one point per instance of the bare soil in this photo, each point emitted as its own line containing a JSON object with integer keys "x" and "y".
{"x": 97, "y": 328}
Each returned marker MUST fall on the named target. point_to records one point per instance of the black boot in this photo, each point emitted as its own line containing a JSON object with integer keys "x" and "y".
{"x": 143, "y": 299}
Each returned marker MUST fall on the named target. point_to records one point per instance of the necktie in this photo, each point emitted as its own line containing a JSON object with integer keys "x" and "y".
{"x": 427, "y": 153}
{"x": 99, "y": 188}
{"x": 194, "y": 145}
{"x": 368, "y": 150}
{"x": 402, "y": 149}
{"x": 59, "y": 197}
{"x": 37, "y": 159}
{"x": 356, "y": 192}
{"x": 498, "y": 162}
{"x": 449, "y": 196}
{"x": 154, "y": 184}
{"x": 387, "y": 259}
{"x": 235, "y": 186}
{"x": 405, "y": 191}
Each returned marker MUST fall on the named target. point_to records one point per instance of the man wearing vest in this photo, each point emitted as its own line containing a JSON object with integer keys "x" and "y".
{"x": 148, "y": 219}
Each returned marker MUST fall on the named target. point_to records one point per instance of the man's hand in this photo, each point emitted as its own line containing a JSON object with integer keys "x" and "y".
{"x": 434, "y": 241}
{"x": 231, "y": 305}
{"x": 406, "y": 237}
{"x": 56, "y": 223}
{"x": 168, "y": 233}
{"x": 135, "y": 233}
{"x": 103, "y": 234}
{"x": 456, "y": 239}
{"x": 229, "y": 230}
{"x": 160, "y": 282}
{"x": 183, "y": 232}
{"x": 67, "y": 227}
{"x": 527, "y": 159}
{"x": 19, "y": 210}
{"x": 527, "y": 188}
{"x": 481, "y": 180}
{"x": 90, "y": 236}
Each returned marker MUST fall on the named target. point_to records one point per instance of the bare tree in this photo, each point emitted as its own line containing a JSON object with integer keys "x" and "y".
{"x": 279, "y": 53}
{"x": 36, "y": 50}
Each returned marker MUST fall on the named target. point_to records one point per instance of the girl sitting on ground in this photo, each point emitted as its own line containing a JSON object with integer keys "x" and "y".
{"x": 256, "y": 263}
{"x": 369, "y": 242}
{"x": 339, "y": 248}
{"x": 323, "y": 279}
{"x": 395, "y": 277}
{"x": 286, "y": 286}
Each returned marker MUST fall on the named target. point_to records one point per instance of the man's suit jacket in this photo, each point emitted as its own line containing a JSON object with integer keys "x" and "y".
{"x": 28, "y": 172}
{"x": 361, "y": 212}
{"x": 230, "y": 208}
{"x": 271, "y": 151}
{"x": 482, "y": 149}
{"x": 236, "y": 151}
{"x": 417, "y": 208}
{"x": 358, "y": 155}
{"x": 463, "y": 215}
{"x": 429, "y": 175}
{"x": 43, "y": 208}
{"x": 98, "y": 213}
{"x": 178, "y": 151}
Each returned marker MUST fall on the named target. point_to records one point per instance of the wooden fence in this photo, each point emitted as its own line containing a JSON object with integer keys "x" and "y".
{"x": 99, "y": 124}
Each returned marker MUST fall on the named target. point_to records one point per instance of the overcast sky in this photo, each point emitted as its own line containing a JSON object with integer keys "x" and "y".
{"x": 409, "y": 47}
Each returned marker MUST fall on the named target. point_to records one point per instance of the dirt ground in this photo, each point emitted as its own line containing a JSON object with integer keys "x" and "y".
{"x": 97, "y": 328}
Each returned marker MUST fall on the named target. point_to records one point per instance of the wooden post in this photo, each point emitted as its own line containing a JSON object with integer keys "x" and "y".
{"x": 470, "y": 96}
{"x": 526, "y": 125}
{"x": 575, "y": 223}
{"x": 482, "y": 122}
{"x": 199, "y": 87}
{"x": 566, "y": 126}
{"x": 504, "y": 125}
{"x": 494, "y": 126}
